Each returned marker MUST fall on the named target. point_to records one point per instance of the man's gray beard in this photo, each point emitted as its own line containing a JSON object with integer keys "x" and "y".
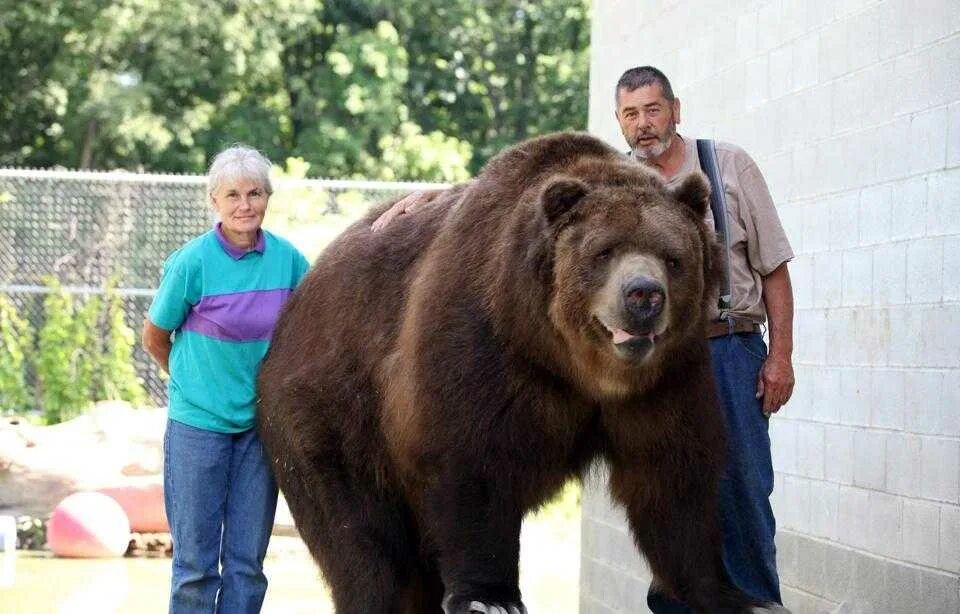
{"x": 654, "y": 151}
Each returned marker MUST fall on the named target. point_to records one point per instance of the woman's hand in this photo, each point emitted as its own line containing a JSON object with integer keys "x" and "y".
{"x": 408, "y": 204}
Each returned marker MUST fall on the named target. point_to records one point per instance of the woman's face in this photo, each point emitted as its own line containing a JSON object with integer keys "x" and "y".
{"x": 241, "y": 205}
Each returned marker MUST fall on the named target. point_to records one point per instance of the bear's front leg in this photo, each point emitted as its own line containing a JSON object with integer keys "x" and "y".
{"x": 475, "y": 525}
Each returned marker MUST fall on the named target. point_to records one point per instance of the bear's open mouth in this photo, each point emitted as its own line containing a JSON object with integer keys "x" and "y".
{"x": 625, "y": 335}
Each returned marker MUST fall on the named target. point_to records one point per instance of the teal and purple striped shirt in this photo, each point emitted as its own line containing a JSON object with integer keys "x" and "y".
{"x": 223, "y": 303}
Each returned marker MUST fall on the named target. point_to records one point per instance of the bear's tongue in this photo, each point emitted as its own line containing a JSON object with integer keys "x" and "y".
{"x": 620, "y": 335}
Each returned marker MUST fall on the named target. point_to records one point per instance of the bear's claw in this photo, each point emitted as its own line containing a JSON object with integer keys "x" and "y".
{"x": 450, "y": 606}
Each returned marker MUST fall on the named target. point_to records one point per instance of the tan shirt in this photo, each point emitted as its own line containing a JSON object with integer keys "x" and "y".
{"x": 758, "y": 244}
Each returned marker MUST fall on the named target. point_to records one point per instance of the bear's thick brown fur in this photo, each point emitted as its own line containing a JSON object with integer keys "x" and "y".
{"x": 431, "y": 383}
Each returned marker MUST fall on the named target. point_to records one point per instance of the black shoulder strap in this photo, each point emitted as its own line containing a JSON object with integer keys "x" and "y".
{"x": 707, "y": 152}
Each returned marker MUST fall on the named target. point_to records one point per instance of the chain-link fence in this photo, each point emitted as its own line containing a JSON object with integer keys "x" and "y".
{"x": 84, "y": 228}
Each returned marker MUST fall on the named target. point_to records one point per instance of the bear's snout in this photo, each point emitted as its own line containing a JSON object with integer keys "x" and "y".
{"x": 643, "y": 298}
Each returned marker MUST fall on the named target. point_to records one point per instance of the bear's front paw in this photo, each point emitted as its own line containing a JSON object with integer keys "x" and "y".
{"x": 455, "y": 605}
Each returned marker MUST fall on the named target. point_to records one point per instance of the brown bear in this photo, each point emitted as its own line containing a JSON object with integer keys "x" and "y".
{"x": 431, "y": 383}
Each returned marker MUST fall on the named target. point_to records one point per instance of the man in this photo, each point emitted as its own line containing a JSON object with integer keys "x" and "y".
{"x": 751, "y": 383}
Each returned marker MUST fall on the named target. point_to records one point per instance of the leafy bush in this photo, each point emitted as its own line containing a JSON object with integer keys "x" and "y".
{"x": 61, "y": 370}
{"x": 116, "y": 376}
{"x": 16, "y": 342}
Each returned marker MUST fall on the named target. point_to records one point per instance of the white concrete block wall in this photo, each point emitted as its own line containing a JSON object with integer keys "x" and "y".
{"x": 852, "y": 110}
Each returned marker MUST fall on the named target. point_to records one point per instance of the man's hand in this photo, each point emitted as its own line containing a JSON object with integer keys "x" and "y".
{"x": 775, "y": 385}
{"x": 407, "y": 204}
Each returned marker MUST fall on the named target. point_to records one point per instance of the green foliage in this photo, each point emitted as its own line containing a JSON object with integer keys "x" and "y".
{"x": 116, "y": 376}
{"x": 16, "y": 341}
{"x": 59, "y": 362}
{"x": 84, "y": 353}
{"x": 406, "y": 89}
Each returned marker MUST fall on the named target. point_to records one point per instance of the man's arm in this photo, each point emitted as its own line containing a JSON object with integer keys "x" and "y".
{"x": 776, "y": 377}
{"x": 157, "y": 343}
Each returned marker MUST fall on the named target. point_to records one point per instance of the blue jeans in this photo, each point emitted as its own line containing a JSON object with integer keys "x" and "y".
{"x": 220, "y": 498}
{"x": 746, "y": 518}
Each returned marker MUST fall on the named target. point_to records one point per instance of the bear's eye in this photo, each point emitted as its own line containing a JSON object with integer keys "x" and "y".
{"x": 673, "y": 263}
{"x": 603, "y": 255}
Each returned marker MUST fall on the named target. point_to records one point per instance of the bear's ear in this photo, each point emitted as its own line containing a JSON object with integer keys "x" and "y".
{"x": 694, "y": 192}
{"x": 561, "y": 195}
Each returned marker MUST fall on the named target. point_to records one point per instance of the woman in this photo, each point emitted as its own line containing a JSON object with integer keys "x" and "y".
{"x": 221, "y": 293}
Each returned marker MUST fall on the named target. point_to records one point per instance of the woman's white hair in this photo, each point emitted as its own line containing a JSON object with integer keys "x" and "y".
{"x": 239, "y": 162}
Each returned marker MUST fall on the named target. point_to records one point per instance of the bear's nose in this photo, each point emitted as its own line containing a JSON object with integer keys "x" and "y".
{"x": 643, "y": 298}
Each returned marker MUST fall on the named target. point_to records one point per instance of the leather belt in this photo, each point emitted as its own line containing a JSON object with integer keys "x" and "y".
{"x": 723, "y": 327}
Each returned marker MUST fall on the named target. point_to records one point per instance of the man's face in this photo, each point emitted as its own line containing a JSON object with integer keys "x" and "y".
{"x": 647, "y": 120}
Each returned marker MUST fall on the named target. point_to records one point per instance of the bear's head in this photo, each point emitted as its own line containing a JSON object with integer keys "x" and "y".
{"x": 634, "y": 267}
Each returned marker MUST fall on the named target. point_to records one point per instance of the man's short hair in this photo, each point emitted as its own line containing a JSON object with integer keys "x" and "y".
{"x": 642, "y": 76}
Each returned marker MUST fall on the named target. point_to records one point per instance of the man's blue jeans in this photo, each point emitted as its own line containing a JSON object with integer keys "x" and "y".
{"x": 220, "y": 498}
{"x": 746, "y": 518}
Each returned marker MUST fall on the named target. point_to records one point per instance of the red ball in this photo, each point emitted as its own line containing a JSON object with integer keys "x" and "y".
{"x": 88, "y": 525}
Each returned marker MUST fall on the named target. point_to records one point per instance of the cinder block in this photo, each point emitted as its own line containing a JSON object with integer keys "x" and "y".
{"x": 897, "y": 39}
{"x": 848, "y": 99}
{"x": 871, "y": 333}
{"x": 869, "y": 466}
{"x": 927, "y": 145}
{"x": 875, "y": 214}
{"x": 909, "y": 208}
{"x": 939, "y": 592}
{"x": 794, "y": 512}
{"x": 824, "y": 509}
{"x": 921, "y": 532}
{"x": 942, "y": 60}
{"x": 907, "y": 322}
{"x": 893, "y": 148}
{"x": 839, "y": 441}
{"x": 757, "y": 81}
{"x": 864, "y": 39}
{"x": 839, "y": 323}
{"x": 902, "y": 583}
{"x": 910, "y": 69}
{"x": 825, "y": 406}
{"x": 816, "y": 226}
{"x": 812, "y": 563}
{"x": 868, "y": 580}
{"x": 951, "y": 269}
{"x": 827, "y": 279}
{"x": 781, "y": 71}
{"x": 783, "y": 444}
{"x": 950, "y": 538}
{"x": 936, "y": 348}
{"x": 890, "y": 274}
{"x": 810, "y": 449}
{"x": 746, "y": 35}
{"x": 949, "y": 416}
{"x": 938, "y": 21}
{"x": 839, "y": 581}
{"x": 852, "y": 521}
{"x": 834, "y": 50}
{"x": 806, "y": 54}
{"x": 925, "y": 270}
{"x": 801, "y": 278}
{"x": 786, "y": 544}
{"x": 857, "y": 277}
{"x": 844, "y": 221}
{"x": 888, "y": 399}
{"x": 923, "y": 401}
{"x": 940, "y": 469}
{"x": 884, "y": 527}
{"x": 811, "y": 323}
{"x": 903, "y": 464}
{"x": 855, "y": 387}
{"x": 769, "y": 26}
{"x": 943, "y": 201}
{"x": 953, "y": 135}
